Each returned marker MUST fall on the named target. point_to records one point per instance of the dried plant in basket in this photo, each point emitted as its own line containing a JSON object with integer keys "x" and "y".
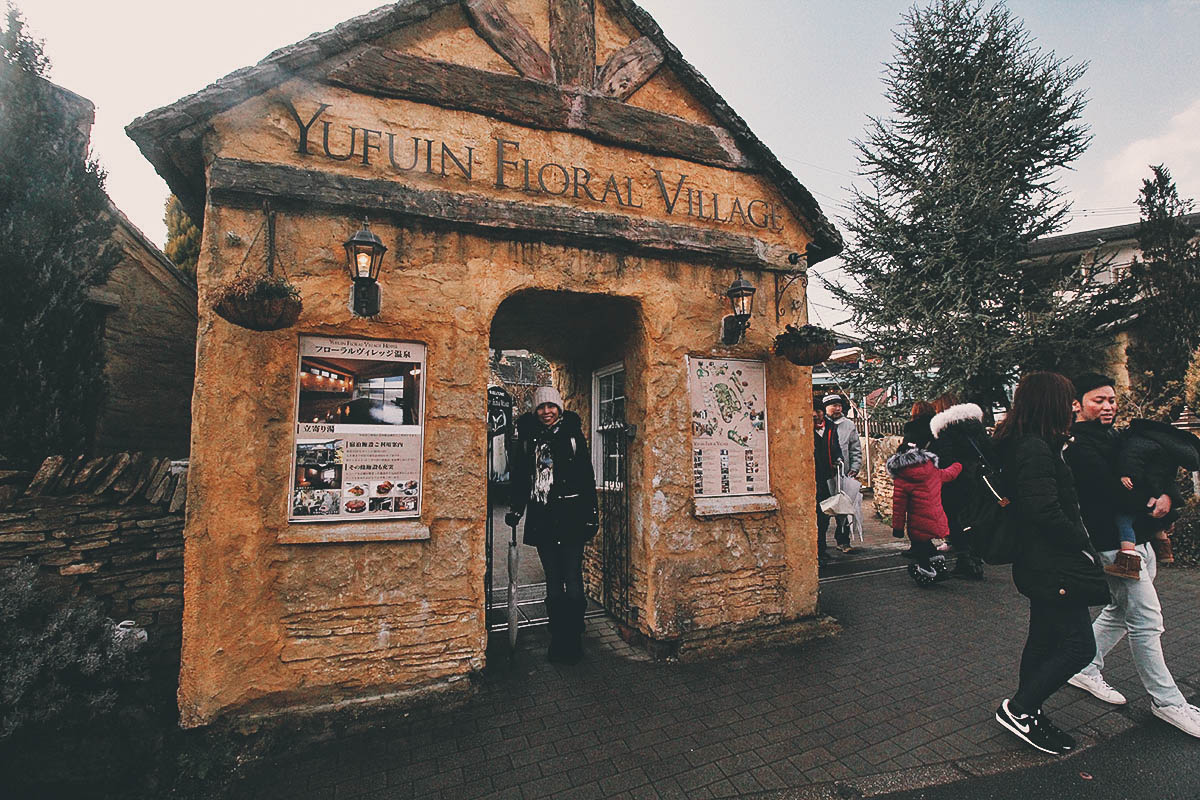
{"x": 806, "y": 345}
{"x": 260, "y": 302}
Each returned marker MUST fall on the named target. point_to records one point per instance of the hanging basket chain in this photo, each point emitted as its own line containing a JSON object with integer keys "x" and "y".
{"x": 265, "y": 303}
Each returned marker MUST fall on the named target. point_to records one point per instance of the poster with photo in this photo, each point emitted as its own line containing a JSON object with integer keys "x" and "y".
{"x": 729, "y": 426}
{"x": 359, "y": 430}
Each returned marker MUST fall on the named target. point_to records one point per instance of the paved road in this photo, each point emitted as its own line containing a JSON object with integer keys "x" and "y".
{"x": 1151, "y": 760}
{"x": 902, "y": 698}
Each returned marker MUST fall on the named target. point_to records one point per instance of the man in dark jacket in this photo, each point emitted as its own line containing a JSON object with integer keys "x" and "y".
{"x": 827, "y": 452}
{"x": 1135, "y": 609}
{"x": 851, "y": 446}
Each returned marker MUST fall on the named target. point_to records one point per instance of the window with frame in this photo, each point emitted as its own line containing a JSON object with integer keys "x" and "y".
{"x": 608, "y": 425}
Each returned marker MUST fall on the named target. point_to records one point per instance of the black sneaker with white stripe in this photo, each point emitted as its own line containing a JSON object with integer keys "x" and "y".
{"x": 1029, "y": 728}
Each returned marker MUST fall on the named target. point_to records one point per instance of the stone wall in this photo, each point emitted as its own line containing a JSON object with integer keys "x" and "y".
{"x": 150, "y": 351}
{"x": 109, "y": 528}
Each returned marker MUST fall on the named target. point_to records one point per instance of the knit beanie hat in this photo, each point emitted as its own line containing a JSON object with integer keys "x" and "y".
{"x": 829, "y": 399}
{"x": 547, "y": 394}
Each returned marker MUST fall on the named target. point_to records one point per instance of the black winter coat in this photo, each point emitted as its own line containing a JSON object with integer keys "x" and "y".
{"x": 1052, "y": 538}
{"x": 569, "y": 510}
{"x": 1093, "y": 457}
{"x": 960, "y": 437}
{"x": 1152, "y": 454}
{"x": 827, "y": 451}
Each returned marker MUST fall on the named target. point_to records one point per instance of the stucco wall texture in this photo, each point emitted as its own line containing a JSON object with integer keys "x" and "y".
{"x": 269, "y": 624}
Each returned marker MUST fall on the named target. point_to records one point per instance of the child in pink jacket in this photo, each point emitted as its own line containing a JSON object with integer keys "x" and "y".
{"x": 917, "y": 501}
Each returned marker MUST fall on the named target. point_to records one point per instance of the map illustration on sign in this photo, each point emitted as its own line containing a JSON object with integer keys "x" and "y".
{"x": 729, "y": 426}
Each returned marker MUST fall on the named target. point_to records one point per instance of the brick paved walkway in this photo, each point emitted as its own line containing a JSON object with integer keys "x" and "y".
{"x": 902, "y": 697}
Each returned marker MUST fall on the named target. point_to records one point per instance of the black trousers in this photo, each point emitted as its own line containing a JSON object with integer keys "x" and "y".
{"x": 923, "y": 551}
{"x": 841, "y": 533}
{"x": 1060, "y": 643}
{"x": 562, "y": 564}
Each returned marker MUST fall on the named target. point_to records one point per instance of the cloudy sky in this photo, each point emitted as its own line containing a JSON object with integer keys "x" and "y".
{"x": 803, "y": 73}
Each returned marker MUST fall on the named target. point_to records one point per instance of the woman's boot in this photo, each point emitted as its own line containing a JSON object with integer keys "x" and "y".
{"x": 556, "y": 613}
{"x": 572, "y": 647}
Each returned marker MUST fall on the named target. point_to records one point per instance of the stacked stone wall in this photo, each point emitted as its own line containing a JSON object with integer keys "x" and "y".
{"x": 110, "y": 528}
{"x": 150, "y": 353}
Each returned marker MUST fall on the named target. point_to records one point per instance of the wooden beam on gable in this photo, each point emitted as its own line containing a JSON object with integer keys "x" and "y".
{"x": 244, "y": 184}
{"x": 493, "y": 22}
{"x": 629, "y": 68}
{"x": 573, "y": 42}
{"x": 537, "y": 105}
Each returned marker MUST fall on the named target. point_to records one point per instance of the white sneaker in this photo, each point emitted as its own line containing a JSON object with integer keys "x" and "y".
{"x": 1097, "y": 688}
{"x": 1185, "y": 716}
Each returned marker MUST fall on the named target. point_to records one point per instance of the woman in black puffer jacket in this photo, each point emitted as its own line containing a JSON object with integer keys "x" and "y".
{"x": 552, "y": 477}
{"x": 960, "y": 437}
{"x": 1056, "y": 566}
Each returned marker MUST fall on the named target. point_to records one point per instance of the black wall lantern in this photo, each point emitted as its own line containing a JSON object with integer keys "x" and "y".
{"x": 741, "y": 300}
{"x": 364, "y": 254}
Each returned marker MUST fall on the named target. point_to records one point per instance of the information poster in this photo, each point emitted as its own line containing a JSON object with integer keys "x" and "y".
{"x": 729, "y": 426}
{"x": 359, "y": 430}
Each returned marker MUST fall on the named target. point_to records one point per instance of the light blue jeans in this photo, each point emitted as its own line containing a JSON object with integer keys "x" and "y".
{"x": 1135, "y": 610}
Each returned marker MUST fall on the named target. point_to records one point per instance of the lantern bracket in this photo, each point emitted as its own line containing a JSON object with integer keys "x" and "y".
{"x": 793, "y": 275}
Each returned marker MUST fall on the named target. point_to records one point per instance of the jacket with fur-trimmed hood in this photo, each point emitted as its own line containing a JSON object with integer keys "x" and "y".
{"x": 917, "y": 493}
{"x": 553, "y": 483}
{"x": 959, "y": 436}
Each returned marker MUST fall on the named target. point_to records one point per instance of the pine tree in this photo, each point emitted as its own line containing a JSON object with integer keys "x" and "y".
{"x": 1167, "y": 281}
{"x": 962, "y": 180}
{"x": 183, "y": 237}
{"x": 55, "y": 243}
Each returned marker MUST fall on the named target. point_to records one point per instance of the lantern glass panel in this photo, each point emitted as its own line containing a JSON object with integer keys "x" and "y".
{"x": 362, "y": 260}
{"x": 742, "y": 304}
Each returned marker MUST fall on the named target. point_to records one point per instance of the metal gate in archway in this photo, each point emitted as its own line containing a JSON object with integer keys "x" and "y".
{"x": 614, "y": 435}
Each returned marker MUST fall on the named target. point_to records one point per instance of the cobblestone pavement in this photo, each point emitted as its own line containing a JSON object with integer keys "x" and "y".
{"x": 903, "y": 697}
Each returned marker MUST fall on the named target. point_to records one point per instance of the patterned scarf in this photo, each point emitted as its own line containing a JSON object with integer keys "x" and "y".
{"x": 543, "y": 471}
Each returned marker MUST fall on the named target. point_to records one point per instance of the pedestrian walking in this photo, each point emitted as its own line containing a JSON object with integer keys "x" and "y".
{"x": 552, "y": 479}
{"x": 827, "y": 453}
{"x": 917, "y": 505}
{"x": 1055, "y": 565}
{"x": 1135, "y": 609}
{"x": 852, "y": 454}
{"x": 959, "y": 437}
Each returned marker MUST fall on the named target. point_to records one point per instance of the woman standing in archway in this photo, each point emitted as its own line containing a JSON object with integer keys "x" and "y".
{"x": 552, "y": 479}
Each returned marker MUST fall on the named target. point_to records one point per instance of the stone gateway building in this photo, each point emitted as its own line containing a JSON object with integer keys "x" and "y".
{"x": 547, "y": 175}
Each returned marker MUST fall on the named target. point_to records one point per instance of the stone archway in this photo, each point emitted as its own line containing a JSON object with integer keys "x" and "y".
{"x": 583, "y": 335}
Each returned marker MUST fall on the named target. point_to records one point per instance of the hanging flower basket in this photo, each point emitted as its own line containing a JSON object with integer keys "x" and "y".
{"x": 806, "y": 345}
{"x": 259, "y": 302}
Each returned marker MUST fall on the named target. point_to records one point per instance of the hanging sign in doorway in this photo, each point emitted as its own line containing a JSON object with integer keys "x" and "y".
{"x": 729, "y": 426}
{"x": 359, "y": 429}
{"x": 500, "y": 424}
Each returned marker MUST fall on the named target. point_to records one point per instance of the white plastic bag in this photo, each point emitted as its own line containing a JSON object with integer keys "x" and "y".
{"x": 845, "y": 500}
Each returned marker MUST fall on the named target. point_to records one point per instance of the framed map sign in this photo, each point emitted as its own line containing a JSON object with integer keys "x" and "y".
{"x": 729, "y": 426}
{"x": 360, "y": 410}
